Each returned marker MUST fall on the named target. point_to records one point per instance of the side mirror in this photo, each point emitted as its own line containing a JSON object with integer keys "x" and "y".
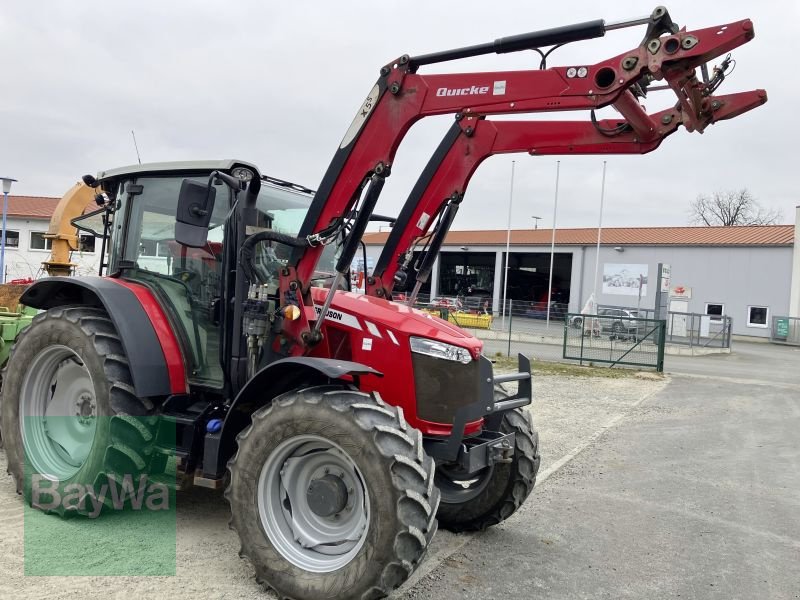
{"x": 195, "y": 205}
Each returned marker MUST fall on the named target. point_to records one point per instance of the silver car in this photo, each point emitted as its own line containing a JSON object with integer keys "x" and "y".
{"x": 619, "y": 322}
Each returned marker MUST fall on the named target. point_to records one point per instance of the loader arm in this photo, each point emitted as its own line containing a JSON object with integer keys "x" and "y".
{"x": 402, "y": 96}
{"x": 473, "y": 139}
{"x": 61, "y": 230}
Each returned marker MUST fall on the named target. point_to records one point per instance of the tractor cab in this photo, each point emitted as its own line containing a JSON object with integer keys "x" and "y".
{"x": 143, "y": 201}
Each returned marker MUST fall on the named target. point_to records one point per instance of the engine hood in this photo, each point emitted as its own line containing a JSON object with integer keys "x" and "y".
{"x": 369, "y": 312}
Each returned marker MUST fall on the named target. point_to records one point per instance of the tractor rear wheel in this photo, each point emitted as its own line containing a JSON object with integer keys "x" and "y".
{"x": 473, "y": 503}
{"x": 332, "y": 495}
{"x": 70, "y": 418}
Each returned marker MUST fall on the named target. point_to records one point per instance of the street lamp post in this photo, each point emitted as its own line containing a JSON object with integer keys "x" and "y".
{"x": 7, "y": 181}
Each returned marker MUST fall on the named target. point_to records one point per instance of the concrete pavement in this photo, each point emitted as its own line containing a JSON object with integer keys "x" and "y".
{"x": 695, "y": 494}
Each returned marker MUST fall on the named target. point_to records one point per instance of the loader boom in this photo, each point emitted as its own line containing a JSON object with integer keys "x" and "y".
{"x": 401, "y": 96}
{"x": 473, "y": 139}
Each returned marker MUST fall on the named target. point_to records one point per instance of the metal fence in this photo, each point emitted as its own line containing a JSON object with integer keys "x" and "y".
{"x": 703, "y": 331}
{"x": 523, "y": 323}
{"x": 785, "y": 330}
{"x": 614, "y": 340}
{"x": 688, "y": 329}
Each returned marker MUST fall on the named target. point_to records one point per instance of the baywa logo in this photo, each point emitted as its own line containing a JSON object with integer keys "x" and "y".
{"x": 117, "y": 494}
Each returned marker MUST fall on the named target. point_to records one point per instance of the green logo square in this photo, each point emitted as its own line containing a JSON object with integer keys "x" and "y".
{"x": 101, "y": 508}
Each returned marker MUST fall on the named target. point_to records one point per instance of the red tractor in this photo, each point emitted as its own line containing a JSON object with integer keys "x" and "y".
{"x": 342, "y": 425}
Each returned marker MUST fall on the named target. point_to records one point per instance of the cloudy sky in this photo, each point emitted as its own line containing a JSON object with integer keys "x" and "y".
{"x": 277, "y": 83}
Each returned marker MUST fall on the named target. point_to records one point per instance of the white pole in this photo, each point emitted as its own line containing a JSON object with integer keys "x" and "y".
{"x": 599, "y": 231}
{"x": 552, "y": 247}
{"x": 508, "y": 242}
{"x": 3, "y": 242}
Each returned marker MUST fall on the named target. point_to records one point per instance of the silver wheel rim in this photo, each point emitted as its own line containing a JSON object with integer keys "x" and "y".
{"x": 307, "y": 540}
{"x": 58, "y": 413}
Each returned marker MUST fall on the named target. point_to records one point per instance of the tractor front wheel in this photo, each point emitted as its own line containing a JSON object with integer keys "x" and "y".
{"x": 475, "y": 502}
{"x": 332, "y": 495}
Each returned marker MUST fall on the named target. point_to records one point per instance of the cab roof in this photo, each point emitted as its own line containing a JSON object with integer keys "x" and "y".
{"x": 179, "y": 165}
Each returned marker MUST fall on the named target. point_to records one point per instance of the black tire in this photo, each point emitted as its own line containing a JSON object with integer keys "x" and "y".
{"x": 125, "y": 427}
{"x": 394, "y": 469}
{"x": 500, "y": 490}
{"x": 617, "y": 328}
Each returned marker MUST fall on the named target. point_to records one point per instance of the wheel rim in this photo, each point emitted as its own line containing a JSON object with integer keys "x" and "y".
{"x": 58, "y": 413}
{"x": 457, "y": 488}
{"x": 289, "y": 514}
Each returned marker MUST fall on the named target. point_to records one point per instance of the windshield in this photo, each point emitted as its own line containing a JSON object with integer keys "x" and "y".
{"x": 283, "y": 210}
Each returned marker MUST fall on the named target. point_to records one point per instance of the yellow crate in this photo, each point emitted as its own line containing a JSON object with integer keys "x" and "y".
{"x": 463, "y": 319}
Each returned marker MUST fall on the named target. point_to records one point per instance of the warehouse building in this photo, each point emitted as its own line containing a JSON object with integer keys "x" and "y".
{"x": 750, "y": 274}
{"x": 745, "y": 273}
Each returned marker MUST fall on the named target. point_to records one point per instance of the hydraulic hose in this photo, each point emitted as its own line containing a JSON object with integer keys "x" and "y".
{"x": 247, "y": 252}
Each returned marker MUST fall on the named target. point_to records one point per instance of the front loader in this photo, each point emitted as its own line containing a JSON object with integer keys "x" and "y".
{"x": 434, "y": 201}
{"x": 335, "y": 421}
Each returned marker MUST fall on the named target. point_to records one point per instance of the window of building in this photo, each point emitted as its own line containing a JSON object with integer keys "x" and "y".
{"x": 86, "y": 242}
{"x": 12, "y": 239}
{"x": 715, "y": 311}
{"x": 757, "y": 316}
{"x": 39, "y": 242}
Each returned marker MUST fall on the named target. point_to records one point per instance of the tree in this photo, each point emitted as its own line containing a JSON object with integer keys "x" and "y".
{"x": 729, "y": 208}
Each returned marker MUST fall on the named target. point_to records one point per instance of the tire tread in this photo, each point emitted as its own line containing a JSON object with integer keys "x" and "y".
{"x": 412, "y": 473}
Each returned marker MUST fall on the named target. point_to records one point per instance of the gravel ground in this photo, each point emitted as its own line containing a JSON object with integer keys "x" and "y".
{"x": 570, "y": 413}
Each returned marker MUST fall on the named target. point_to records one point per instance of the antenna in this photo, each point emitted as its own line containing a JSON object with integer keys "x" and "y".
{"x": 135, "y": 145}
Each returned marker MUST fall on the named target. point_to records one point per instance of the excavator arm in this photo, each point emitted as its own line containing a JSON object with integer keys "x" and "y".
{"x": 472, "y": 139}
{"x": 401, "y": 96}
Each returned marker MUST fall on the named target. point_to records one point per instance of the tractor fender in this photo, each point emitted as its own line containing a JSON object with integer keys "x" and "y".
{"x": 146, "y": 355}
{"x": 267, "y": 384}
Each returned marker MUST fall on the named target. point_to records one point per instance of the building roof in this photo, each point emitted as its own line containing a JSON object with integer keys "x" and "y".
{"x": 32, "y": 207}
{"x": 755, "y": 235}
{"x": 42, "y": 207}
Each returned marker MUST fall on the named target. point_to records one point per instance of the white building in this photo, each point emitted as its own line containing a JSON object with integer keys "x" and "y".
{"x": 750, "y": 274}
{"x": 28, "y": 219}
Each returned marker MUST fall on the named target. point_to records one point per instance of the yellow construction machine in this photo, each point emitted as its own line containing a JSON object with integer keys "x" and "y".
{"x": 62, "y": 232}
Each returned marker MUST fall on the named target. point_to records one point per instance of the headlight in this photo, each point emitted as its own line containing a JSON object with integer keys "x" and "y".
{"x": 440, "y": 350}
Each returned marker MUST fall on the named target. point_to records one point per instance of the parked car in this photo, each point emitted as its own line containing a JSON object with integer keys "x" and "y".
{"x": 619, "y": 322}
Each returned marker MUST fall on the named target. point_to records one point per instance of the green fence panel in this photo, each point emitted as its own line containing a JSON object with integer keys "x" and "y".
{"x": 604, "y": 339}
